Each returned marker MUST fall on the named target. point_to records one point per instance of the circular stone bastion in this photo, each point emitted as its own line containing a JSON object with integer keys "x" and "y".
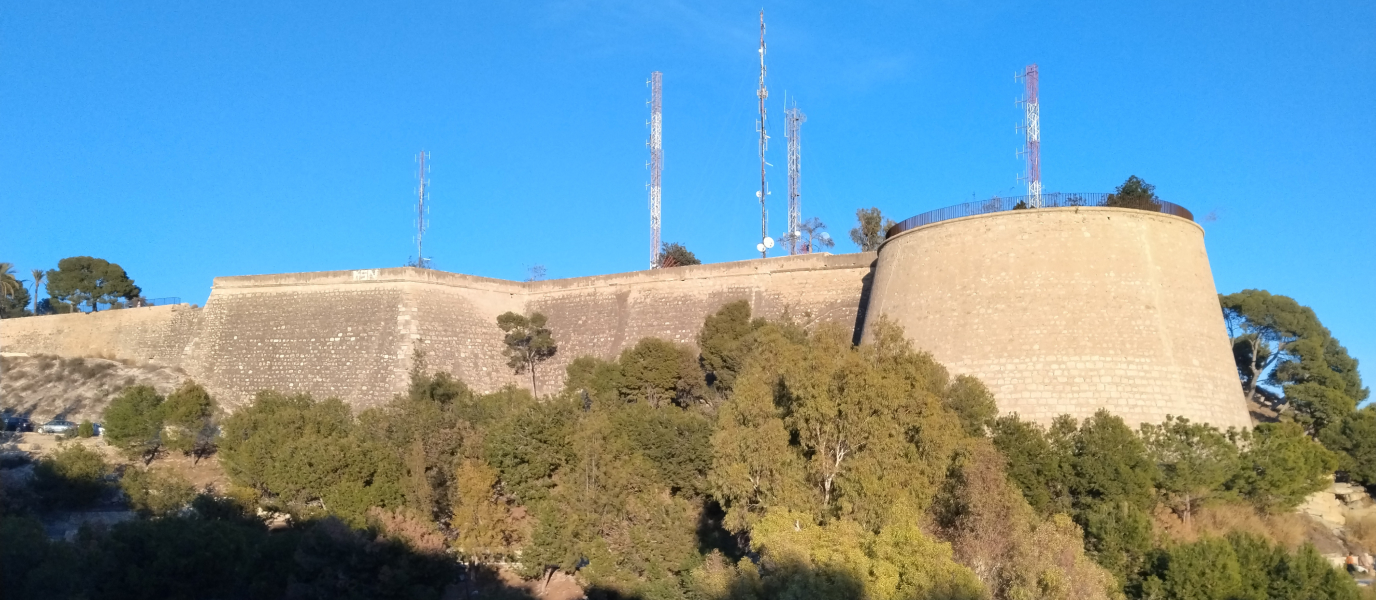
{"x": 1067, "y": 311}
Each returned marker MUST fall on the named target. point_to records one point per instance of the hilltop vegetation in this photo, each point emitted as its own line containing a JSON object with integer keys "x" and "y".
{"x": 775, "y": 461}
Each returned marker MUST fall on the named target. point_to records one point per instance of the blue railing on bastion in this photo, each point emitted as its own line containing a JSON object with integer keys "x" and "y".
{"x": 999, "y": 204}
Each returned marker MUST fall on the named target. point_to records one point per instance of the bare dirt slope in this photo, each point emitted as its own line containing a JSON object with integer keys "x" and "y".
{"x": 43, "y": 387}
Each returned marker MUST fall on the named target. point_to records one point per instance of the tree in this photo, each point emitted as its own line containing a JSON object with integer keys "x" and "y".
{"x": 154, "y": 493}
{"x": 1204, "y": 570}
{"x": 73, "y": 477}
{"x": 842, "y": 559}
{"x": 1355, "y": 438}
{"x": 972, "y": 403}
{"x": 51, "y": 306}
{"x": 660, "y": 372}
{"x": 189, "y": 420}
{"x": 38, "y": 276}
{"x": 14, "y": 299}
{"x": 530, "y": 446}
{"x": 1321, "y": 383}
{"x": 481, "y": 520}
{"x": 813, "y": 236}
{"x": 1039, "y": 467}
{"x": 528, "y": 343}
{"x": 871, "y": 228}
{"x": 819, "y": 425}
{"x": 1013, "y": 551}
{"x": 15, "y": 305}
{"x": 134, "y": 422}
{"x": 1264, "y": 329}
{"x": 1111, "y": 464}
{"x": 1243, "y": 567}
{"x": 1194, "y": 459}
{"x": 675, "y": 255}
{"x": 90, "y": 281}
{"x": 8, "y": 284}
{"x": 309, "y": 455}
{"x": 1135, "y": 193}
{"x": 722, "y": 342}
{"x": 1281, "y": 466}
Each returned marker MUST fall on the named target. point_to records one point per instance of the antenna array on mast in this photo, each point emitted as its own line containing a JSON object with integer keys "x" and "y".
{"x": 793, "y": 122}
{"x": 422, "y": 210}
{"x": 656, "y": 163}
{"x": 765, "y": 243}
{"x": 1032, "y": 127}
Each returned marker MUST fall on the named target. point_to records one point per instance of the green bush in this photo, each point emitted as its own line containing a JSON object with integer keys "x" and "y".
{"x": 86, "y": 429}
{"x": 133, "y": 422}
{"x": 73, "y": 477}
{"x": 155, "y": 493}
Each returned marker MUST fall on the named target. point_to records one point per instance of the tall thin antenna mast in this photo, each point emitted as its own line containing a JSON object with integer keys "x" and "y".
{"x": 422, "y": 211}
{"x": 1032, "y": 127}
{"x": 793, "y": 123}
{"x": 656, "y": 163}
{"x": 762, "y": 93}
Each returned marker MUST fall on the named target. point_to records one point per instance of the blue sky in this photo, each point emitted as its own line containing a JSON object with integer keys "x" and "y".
{"x": 190, "y": 140}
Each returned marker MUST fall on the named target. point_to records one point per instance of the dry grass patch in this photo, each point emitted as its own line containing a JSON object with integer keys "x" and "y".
{"x": 1289, "y": 530}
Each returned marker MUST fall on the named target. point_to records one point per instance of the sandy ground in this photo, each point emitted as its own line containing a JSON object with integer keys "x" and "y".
{"x": 43, "y": 387}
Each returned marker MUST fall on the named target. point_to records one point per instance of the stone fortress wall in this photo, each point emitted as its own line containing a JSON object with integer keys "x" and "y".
{"x": 1067, "y": 310}
{"x": 157, "y": 334}
{"x": 352, "y": 334}
{"x": 1057, "y": 310}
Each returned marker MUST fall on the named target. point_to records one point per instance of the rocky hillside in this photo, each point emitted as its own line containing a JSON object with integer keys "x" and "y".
{"x": 43, "y": 387}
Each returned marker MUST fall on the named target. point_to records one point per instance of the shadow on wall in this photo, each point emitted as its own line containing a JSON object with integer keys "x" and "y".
{"x": 866, "y": 284}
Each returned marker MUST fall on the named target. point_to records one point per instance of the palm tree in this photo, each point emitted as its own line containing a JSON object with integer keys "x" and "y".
{"x": 38, "y": 275}
{"x": 8, "y": 284}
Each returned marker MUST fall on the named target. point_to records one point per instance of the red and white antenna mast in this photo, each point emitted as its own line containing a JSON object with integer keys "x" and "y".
{"x": 422, "y": 211}
{"x": 793, "y": 123}
{"x": 656, "y": 144}
{"x": 765, "y": 242}
{"x": 1032, "y": 127}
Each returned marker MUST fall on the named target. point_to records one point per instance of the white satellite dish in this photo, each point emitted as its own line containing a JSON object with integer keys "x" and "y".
{"x": 759, "y": 247}
{"x": 768, "y": 242}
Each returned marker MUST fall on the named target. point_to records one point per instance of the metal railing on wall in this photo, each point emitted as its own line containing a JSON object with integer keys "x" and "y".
{"x": 155, "y": 301}
{"x": 1003, "y": 203}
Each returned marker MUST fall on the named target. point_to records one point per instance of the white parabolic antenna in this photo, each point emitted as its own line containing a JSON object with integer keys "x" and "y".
{"x": 759, "y": 247}
{"x": 768, "y": 242}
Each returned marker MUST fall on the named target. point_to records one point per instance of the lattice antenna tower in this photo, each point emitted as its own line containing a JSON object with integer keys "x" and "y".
{"x": 1031, "y": 126}
{"x": 765, "y": 242}
{"x": 422, "y": 207}
{"x": 793, "y": 123}
{"x": 656, "y": 163}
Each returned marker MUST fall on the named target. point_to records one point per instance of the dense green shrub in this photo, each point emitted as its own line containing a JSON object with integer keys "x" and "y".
{"x": 72, "y": 477}
{"x": 156, "y": 493}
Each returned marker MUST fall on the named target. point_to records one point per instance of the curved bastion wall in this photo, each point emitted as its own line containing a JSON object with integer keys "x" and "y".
{"x": 1068, "y": 310}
